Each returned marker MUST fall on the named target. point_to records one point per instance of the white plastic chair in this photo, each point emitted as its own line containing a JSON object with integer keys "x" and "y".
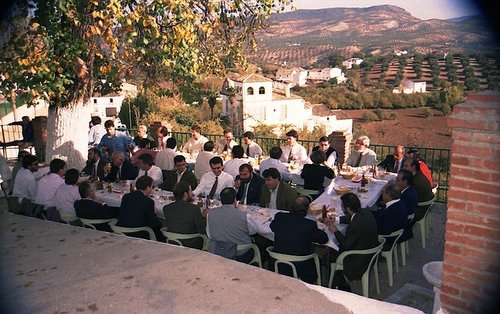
{"x": 177, "y": 237}
{"x": 305, "y": 192}
{"x": 405, "y": 246}
{"x": 91, "y": 222}
{"x": 256, "y": 253}
{"x": 124, "y": 230}
{"x": 393, "y": 252}
{"x": 424, "y": 223}
{"x": 289, "y": 259}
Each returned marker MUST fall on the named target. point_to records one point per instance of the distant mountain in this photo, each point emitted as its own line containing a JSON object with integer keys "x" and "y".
{"x": 464, "y": 18}
{"x": 377, "y": 29}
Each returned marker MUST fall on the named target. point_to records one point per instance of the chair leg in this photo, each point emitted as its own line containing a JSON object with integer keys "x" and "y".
{"x": 375, "y": 273}
{"x": 422, "y": 231}
{"x": 365, "y": 281}
{"x": 388, "y": 260}
{"x": 403, "y": 252}
{"x": 407, "y": 244}
{"x": 330, "y": 281}
{"x": 396, "y": 258}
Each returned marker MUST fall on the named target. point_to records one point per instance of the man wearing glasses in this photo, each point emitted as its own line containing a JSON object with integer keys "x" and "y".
{"x": 361, "y": 155}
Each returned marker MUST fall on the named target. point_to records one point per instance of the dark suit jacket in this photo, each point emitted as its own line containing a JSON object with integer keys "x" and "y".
{"x": 424, "y": 192}
{"x": 361, "y": 234}
{"x": 171, "y": 180}
{"x": 391, "y": 219}
{"x": 329, "y": 151}
{"x": 138, "y": 210}
{"x": 183, "y": 217}
{"x": 254, "y": 189}
{"x": 314, "y": 176}
{"x": 388, "y": 163}
{"x": 410, "y": 198}
{"x": 128, "y": 172}
{"x": 285, "y": 199}
{"x": 294, "y": 234}
{"x": 90, "y": 209}
{"x": 89, "y": 169}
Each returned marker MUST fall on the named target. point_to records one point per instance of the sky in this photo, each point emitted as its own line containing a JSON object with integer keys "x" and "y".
{"x": 423, "y": 9}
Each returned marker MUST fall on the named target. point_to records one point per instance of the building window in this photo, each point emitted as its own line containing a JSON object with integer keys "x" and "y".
{"x": 262, "y": 90}
{"x": 250, "y": 91}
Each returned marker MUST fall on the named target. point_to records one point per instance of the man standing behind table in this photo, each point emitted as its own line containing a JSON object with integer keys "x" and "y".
{"x": 96, "y": 132}
{"x": 162, "y": 135}
{"x": 202, "y": 163}
{"x": 232, "y": 166}
{"x": 142, "y": 134}
{"x": 137, "y": 209}
{"x": 276, "y": 193}
{"x": 146, "y": 167}
{"x": 249, "y": 185}
{"x": 47, "y": 186}
{"x": 228, "y": 226}
{"x": 251, "y": 148}
{"x": 184, "y": 217}
{"x": 115, "y": 141}
{"x": 293, "y": 151}
{"x": 25, "y": 183}
{"x": 121, "y": 169}
{"x": 329, "y": 151}
{"x": 294, "y": 235}
{"x": 394, "y": 216}
{"x": 213, "y": 182}
{"x": 274, "y": 162}
{"x": 66, "y": 196}
{"x": 95, "y": 164}
{"x": 394, "y": 162}
{"x": 195, "y": 144}
{"x": 226, "y": 143}
{"x": 182, "y": 174}
{"x": 361, "y": 155}
{"x": 165, "y": 158}
{"x": 421, "y": 184}
{"x": 87, "y": 208}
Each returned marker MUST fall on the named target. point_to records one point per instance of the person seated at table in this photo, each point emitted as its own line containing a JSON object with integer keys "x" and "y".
{"x": 25, "y": 185}
{"x": 114, "y": 141}
{"x": 195, "y": 144}
{"x": 137, "y": 209}
{"x": 181, "y": 174}
{"x": 294, "y": 234}
{"x": 96, "y": 131}
{"x": 251, "y": 148}
{"x": 143, "y": 149}
{"x": 329, "y": 151}
{"x": 184, "y": 217}
{"x": 213, "y": 182}
{"x": 394, "y": 216}
{"x": 87, "y": 208}
{"x": 404, "y": 182}
{"x": 17, "y": 166}
{"x": 394, "y": 162}
{"x": 47, "y": 187}
{"x": 314, "y": 174}
{"x": 274, "y": 162}
{"x": 421, "y": 184}
{"x": 249, "y": 186}
{"x": 121, "y": 168}
{"x": 66, "y": 196}
{"x": 293, "y": 151}
{"x": 226, "y": 143}
{"x": 147, "y": 168}
{"x": 232, "y": 166}
{"x": 276, "y": 193}
{"x": 361, "y": 155}
{"x": 414, "y": 153}
{"x": 228, "y": 226}
{"x": 361, "y": 234}
{"x": 5, "y": 174}
{"x": 162, "y": 137}
{"x": 202, "y": 164}
{"x": 95, "y": 164}
{"x": 165, "y": 158}
{"x": 142, "y": 134}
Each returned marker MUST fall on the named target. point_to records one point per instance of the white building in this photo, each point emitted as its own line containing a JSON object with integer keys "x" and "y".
{"x": 110, "y": 105}
{"x": 252, "y": 99}
{"x": 410, "y": 87}
{"x": 326, "y": 74}
{"x": 298, "y": 76}
{"x": 351, "y": 61}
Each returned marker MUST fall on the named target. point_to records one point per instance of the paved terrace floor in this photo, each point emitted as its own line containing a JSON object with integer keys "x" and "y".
{"x": 48, "y": 267}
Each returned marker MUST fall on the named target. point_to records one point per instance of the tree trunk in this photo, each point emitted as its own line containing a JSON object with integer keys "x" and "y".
{"x": 13, "y": 102}
{"x": 67, "y": 134}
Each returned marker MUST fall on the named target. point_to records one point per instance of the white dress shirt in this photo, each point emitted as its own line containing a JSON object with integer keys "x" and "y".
{"x": 299, "y": 153}
{"x": 194, "y": 146}
{"x": 165, "y": 159}
{"x": 275, "y": 163}
{"x": 153, "y": 172}
{"x": 25, "y": 185}
{"x": 222, "y": 142}
{"x": 202, "y": 164}
{"x": 64, "y": 201}
{"x": 369, "y": 158}
{"x": 207, "y": 181}
{"x": 273, "y": 198}
{"x": 46, "y": 189}
{"x": 253, "y": 149}
{"x": 233, "y": 166}
{"x": 95, "y": 134}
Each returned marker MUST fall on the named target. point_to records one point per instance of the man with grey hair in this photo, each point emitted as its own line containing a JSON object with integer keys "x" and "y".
{"x": 394, "y": 216}
{"x": 142, "y": 133}
{"x": 361, "y": 155}
{"x": 122, "y": 169}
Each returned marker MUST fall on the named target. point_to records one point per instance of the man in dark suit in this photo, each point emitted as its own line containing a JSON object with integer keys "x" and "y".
{"x": 184, "y": 217}
{"x": 361, "y": 234}
{"x": 87, "y": 208}
{"x": 294, "y": 235}
{"x": 181, "y": 174}
{"x": 404, "y": 182}
{"x": 138, "y": 209}
{"x": 329, "y": 151}
{"x": 394, "y": 162}
{"x": 95, "y": 164}
{"x": 276, "y": 193}
{"x": 394, "y": 216}
{"x": 421, "y": 184}
{"x": 122, "y": 169}
{"x": 248, "y": 185}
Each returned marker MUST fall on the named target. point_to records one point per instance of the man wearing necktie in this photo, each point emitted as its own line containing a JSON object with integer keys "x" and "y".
{"x": 395, "y": 161}
{"x": 249, "y": 185}
{"x": 361, "y": 155}
{"x": 211, "y": 183}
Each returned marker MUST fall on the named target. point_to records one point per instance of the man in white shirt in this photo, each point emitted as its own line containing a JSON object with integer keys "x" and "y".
{"x": 226, "y": 143}
{"x": 165, "y": 158}
{"x": 251, "y": 148}
{"x": 25, "y": 184}
{"x": 162, "y": 135}
{"x": 274, "y": 162}
{"x": 66, "y": 196}
{"x": 212, "y": 183}
{"x": 50, "y": 183}
{"x": 96, "y": 132}
{"x": 195, "y": 144}
{"x": 361, "y": 155}
{"x": 233, "y": 166}
{"x": 202, "y": 163}
{"x": 293, "y": 151}
{"x": 147, "y": 168}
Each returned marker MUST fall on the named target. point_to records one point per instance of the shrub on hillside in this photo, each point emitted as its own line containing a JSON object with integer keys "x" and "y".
{"x": 369, "y": 116}
{"x": 427, "y": 112}
{"x": 379, "y": 113}
{"x": 393, "y": 116}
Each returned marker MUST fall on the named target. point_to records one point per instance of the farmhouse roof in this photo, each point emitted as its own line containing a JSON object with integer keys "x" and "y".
{"x": 322, "y": 110}
{"x": 253, "y": 78}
